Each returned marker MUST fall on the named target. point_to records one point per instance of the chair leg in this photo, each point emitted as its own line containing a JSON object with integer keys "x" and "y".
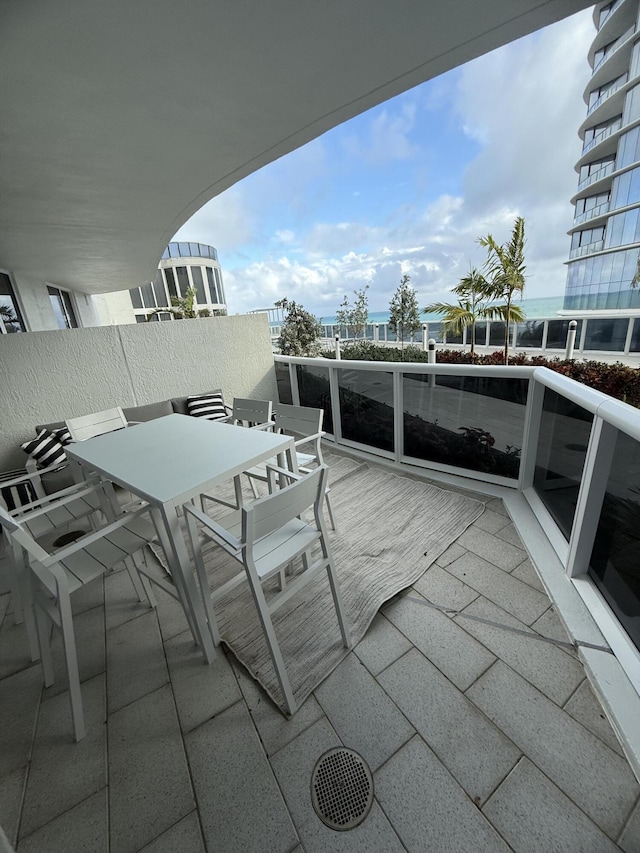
{"x": 274, "y": 648}
{"x": 135, "y": 578}
{"x": 44, "y": 638}
{"x": 330, "y": 511}
{"x": 203, "y": 581}
{"x": 254, "y": 488}
{"x": 22, "y": 596}
{"x": 71, "y": 657}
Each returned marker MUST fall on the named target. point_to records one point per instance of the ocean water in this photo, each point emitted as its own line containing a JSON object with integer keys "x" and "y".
{"x": 534, "y": 309}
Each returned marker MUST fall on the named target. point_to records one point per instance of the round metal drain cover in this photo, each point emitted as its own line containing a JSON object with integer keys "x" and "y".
{"x": 341, "y": 788}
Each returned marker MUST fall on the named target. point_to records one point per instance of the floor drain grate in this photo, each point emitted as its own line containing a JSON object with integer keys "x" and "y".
{"x": 341, "y": 788}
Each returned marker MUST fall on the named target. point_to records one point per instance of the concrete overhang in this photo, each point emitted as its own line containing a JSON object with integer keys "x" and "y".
{"x": 120, "y": 119}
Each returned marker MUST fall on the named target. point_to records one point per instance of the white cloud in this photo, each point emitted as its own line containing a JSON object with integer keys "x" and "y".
{"x": 522, "y": 104}
{"x": 387, "y": 136}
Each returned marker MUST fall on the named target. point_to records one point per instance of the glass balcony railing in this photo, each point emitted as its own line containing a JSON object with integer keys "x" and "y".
{"x": 616, "y": 45}
{"x": 529, "y": 428}
{"x": 597, "y": 176}
{"x": 580, "y": 251}
{"x": 591, "y": 213}
{"x": 602, "y": 135}
{"x": 606, "y": 95}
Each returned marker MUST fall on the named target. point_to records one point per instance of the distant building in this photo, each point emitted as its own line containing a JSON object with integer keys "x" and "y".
{"x": 605, "y": 238}
{"x": 183, "y": 265}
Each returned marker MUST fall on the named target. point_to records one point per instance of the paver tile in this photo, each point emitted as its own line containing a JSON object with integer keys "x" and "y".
{"x": 149, "y": 784}
{"x": 381, "y": 645}
{"x": 183, "y": 837}
{"x": 225, "y": 754}
{"x": 474, "y": 751}
{"x": 455, "y": 652}
{"x": 136, "y": 662}
{"x": 62, "y": 772}
{"x": 532, "y": 814}
{"x": 370, "y": 723}
{"x": 427, "y": 807}
{"x": 444, "y": 589}
{"x": 489, "y": 547}
{"x": 84, "y": 827}
{"x": 564, "y": 750}
{"x": 514, "y": 596}
{"x": 546, "y": 666}
{"x": 585, "y": 708}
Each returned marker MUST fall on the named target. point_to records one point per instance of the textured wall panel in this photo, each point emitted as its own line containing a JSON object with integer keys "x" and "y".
{"x": 49, "y": 376}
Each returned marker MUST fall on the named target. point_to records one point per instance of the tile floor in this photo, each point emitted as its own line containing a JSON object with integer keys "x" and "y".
{"x": 479, "y": 737}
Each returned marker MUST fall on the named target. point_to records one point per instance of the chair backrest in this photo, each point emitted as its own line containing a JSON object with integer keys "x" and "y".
{"x": 273, "y": 511}
{"x": 97, "y": 423}
{"x": 298, "y": 420}
{"x": 251, "y": 412}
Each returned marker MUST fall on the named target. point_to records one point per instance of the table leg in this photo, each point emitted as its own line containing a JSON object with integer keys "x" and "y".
{"x": 183, "y": 577}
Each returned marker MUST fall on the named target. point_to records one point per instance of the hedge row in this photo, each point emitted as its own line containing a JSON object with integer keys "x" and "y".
{"x": 617, "y": 380}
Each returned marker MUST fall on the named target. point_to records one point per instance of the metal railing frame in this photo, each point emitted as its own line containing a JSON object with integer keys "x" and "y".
{"x": 610, "y": 417}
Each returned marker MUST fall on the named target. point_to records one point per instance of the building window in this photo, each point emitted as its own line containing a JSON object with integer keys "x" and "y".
{"x": 10, "y": 317}
{"x": 62, "y": 307}
{"x": 183, "y": 280}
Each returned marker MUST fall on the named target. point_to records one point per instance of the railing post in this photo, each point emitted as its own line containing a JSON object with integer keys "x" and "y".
{"x": 337, "y": 347}
{"x": 571, "y": 340}
{"x": 425, "y": 334}
{"x": 431, "y": 359}
{"x": 376, "y": 333}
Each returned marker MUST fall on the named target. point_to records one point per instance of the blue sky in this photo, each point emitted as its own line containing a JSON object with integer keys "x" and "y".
{"x": 409, "y": 186}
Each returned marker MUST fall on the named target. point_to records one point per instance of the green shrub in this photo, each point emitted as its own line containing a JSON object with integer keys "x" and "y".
{"x": 617, "y": 380}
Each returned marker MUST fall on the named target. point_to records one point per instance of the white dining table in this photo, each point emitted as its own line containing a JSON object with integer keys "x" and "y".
{"x": 169, "y": 461}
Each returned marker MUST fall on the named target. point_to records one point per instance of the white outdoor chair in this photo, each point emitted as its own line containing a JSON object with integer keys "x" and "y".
{"x": 49, "y": 579}
{"x": 255, "y": 414}
{"x": 266, "y": 538}
{"x": 304, "y": 424}
{"x": 47, "y": 518}
{"x": 97, "y": 423}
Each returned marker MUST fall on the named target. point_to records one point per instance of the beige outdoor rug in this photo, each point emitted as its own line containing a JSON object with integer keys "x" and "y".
{"x": 390, "y": 530}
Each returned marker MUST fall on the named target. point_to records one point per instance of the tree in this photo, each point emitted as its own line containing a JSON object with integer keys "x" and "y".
{"x": 473, "y": 291}
{"x": 404, "y": 315}
{"x": 355, "y": 316}
{"x": 300, "y": 332}
{"x": 9, "y": 319}
{"x": 182, "y": 308}
{"x": 505, "y": 272}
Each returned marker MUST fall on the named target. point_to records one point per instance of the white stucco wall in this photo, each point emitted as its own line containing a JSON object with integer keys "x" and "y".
{"x": 53, "y": 375}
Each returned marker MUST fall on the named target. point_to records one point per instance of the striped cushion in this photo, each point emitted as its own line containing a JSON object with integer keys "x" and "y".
{"x": 18, "y": 495}
{"x": 45, "y": 449}
{"x": 210, "y": 406}
{"x": 62, "y": 434}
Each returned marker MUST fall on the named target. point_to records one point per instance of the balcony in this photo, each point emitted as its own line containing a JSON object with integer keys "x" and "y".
{"x": 588, "y": 249}
{"x": 592, "y": 213}
{"x": 482, "y": 677}
{"x": 445, "y": 698}
{"x": 597, "y": 176}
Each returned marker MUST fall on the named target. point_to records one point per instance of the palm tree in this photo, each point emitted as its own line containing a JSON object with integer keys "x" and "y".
{"x": 9, "y": 319}
{"x": 505, "y": 270}
{"x": 473, "y": 291}
{"x": 181, "y": 308}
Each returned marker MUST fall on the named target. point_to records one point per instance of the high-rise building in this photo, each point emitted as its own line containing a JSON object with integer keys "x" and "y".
{"x": 605, "y": 237}
{"x": 183, "y": 265}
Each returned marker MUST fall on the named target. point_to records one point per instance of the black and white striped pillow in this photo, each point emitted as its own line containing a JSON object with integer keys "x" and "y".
{"x": 210, "y": 406}
{"x": 46, "y": 449}
{"x": 19, "y": 495}
{"x": 63, "y": 435}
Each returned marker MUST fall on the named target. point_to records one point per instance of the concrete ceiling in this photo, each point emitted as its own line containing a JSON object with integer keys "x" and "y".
{"x": 121, "y": 118}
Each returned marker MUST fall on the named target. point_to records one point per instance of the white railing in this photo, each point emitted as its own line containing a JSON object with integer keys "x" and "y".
{"x": 592, "y": 213}
{"x": 617, "y": 44}
{"x": 546, "y": 437}
{"x": 588, "y": 249}
{"x": 597, "y": 176}
{"x": 602, "y": 135}
{"x": 619, "y": 83}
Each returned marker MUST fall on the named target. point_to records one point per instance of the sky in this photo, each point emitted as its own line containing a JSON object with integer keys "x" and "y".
{"x": 410, "y": 185}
